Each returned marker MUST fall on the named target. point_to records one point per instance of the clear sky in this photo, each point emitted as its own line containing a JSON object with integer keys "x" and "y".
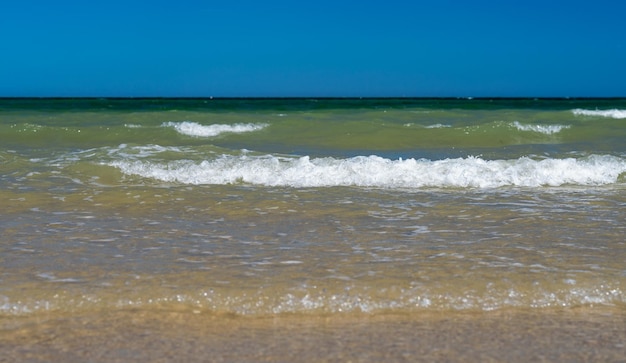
{"x": 180, "y": 48}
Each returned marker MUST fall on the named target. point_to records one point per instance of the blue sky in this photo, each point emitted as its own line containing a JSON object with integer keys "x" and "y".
{"x": 313, "y": 49}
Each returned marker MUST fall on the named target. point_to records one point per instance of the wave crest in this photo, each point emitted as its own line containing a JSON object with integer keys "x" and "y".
{"x": 375, "y": 171}
{"x": 614, "y": 113}
{"x": 542, "y": 129}
{"x": 195, "y": 129}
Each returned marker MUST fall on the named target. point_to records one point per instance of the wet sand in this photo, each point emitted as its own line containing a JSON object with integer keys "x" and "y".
{"x": 169, "y": 336}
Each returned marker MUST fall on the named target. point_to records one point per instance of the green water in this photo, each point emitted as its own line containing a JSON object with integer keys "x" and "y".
{"x": 409, "y": 128}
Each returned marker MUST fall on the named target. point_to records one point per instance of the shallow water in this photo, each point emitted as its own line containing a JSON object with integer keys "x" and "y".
{"x": 233, "y": 249}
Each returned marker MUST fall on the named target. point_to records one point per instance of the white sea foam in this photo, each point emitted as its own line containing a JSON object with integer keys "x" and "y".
{"x": 196, "y": 129}
{"x": 614, "y": 113}
{"x": 375, "y": 171}
{"x": 125, "y": 151}
{"x": 543, "y": 129}
{"x": 311, "y": 300}
{"x": 434, "y": 126}
{"x": 437, "y": 126}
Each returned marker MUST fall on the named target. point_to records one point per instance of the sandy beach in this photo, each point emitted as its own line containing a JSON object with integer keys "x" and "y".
{"x": 169, "y": 336}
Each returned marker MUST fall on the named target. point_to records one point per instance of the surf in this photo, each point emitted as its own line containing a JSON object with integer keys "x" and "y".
{"x": 613, "y": 113}
{"x": 376, "y": 171}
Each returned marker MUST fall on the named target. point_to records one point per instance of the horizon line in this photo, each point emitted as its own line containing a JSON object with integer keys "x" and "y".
{"x": 307, "y": 97}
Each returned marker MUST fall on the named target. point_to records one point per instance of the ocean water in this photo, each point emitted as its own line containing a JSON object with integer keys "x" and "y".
{"x": 315, "y": 207}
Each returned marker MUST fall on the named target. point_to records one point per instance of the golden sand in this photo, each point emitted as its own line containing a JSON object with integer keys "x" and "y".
{"x": 170, "y": 336}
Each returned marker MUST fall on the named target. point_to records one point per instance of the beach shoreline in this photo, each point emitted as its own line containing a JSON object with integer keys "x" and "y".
{"x": 572, "y": 335}
{"x": 312, "y": 230}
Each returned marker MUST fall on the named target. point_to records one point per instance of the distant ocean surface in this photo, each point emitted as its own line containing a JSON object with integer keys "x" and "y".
{"x": 265, "y": 207}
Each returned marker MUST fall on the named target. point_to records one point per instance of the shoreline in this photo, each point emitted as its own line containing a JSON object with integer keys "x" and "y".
{"x": 573, "y": 335}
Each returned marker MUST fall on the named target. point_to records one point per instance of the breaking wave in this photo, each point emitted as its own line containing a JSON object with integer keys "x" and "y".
{"x": 195, "y": 129}
{"x": 614, "y": 113}
{"x": 375, "y": 171}
{"x": 542, "y": 129}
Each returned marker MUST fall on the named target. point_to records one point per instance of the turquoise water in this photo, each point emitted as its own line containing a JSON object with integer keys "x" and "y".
{"x": 314, "y": 206}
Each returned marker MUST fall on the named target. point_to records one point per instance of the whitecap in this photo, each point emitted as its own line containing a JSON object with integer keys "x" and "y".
{"x": 542, "y": 129}
{"x": 195, "y": 129}
{"x": 614, "y": 113}
{"x": 375, "y": 171}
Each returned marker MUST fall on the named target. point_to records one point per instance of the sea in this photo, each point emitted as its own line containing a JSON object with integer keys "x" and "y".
{"x": 310, "y": 208}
